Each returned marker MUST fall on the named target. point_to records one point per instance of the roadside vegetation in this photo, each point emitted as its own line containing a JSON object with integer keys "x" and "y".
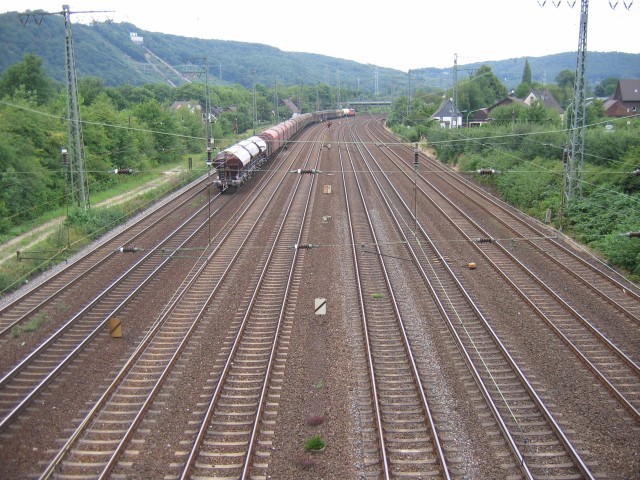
{"x": 124, "y": 127}
{"x": 77, "y": 230}
{"x": 525, "y": 145}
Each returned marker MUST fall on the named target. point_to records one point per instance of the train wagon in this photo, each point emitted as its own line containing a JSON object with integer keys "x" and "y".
{"x": 236, "y": 164}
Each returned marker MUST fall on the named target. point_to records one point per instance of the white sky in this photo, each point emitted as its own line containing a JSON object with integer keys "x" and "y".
{"x": 400, "y": 34}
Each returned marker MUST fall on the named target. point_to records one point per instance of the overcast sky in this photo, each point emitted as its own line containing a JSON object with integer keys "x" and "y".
{"x": 400, "y": 34}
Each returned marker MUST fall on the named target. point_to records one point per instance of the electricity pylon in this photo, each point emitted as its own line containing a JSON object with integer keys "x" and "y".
{"x": 75, "y": 141}
{"x": 575, "y": 163}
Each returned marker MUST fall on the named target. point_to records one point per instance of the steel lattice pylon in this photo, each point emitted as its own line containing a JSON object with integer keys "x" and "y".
{"x": 77, "y": 165}
{"x": 575, "y": 161}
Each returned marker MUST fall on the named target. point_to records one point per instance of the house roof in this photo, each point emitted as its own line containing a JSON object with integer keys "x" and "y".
{"x": 506, "y": 101}
{"x": 446, "y": 110}
{"x": 546, "y": 97}
{"x": 628, "y": 90}
{"x": 481, "y": 115}
{"x": 614, "y": 108}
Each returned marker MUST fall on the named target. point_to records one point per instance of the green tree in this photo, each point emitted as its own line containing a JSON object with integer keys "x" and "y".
{"x": 523, "y": 90}
{"x": 110, "y": 142}
{"x": 599, "y": 220}
{"x": 595, "y": 111}
{"x": 565, "y": 80}
{"x": 399, "y": 111}
{"x": 538, "y": 114}
{"x": 526, "y": 73}
{"x": 606, "y": 87}
{"x": 481, "y": 90}
{"x": 526, "y": 85}
{"x": 30, "y": 76}
{"x": 89, "y": 88}
{"x": 627, "y": 180}
{"x": 129, "y": 95}
{"x": 30, "y": 163}
{"x": 163, "y": 127}
{"x": 509, "y": 114}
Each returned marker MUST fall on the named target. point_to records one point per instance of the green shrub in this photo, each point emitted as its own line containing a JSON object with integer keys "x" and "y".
{"x": 32, "y": 325}
{"x": 314, "y": 443}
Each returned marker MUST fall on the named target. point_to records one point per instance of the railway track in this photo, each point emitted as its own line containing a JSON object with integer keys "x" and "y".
{"x": 419, "y": 367}
{"x": 97, "y": 262}
{"x": 243, "y": 405}
{"x": 613, "y": 367}
{"x": 404, "y": 432}
{"x": 31, "y": 375}
{"x": 236, "y": 405}
{"x": 539, "y": 444}
{"x": 591, "y": 273}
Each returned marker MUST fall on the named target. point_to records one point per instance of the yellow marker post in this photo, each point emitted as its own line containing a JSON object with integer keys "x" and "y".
{"x": 115, "y": 328}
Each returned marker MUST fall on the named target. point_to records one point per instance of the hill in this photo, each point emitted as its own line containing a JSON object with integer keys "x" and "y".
{"x": 106, "y": 50}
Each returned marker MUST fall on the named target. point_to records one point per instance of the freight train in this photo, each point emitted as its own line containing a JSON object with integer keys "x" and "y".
{"x": 235, "y": 165}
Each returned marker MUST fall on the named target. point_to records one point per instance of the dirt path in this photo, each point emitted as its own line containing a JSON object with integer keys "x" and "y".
{"x": 28, "y": 239}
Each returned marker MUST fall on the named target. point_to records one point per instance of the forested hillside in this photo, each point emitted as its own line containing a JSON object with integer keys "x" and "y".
{"x": 105, "y": 50}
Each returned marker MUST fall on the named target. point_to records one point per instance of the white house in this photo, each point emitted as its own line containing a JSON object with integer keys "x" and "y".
{"x": 446, "y": 115}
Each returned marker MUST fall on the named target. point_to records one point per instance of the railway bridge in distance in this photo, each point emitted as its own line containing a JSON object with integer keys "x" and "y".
{"x": 361, "y": 105}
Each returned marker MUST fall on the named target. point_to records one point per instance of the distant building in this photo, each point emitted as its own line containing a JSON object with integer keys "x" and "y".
{"x": 136, "y": 39}
{"x": 508, "y": 100}
{"x": 478, "y": 118}
{"x": 626, "y": 99}
{"x": 214, "y": 114}
{"x": 482, "y": 116}
{"x": 614, "y": 108}
{"x": 447, "y": 117}
{"x": 190, "y": 105}
{"x": 543, "y": 96}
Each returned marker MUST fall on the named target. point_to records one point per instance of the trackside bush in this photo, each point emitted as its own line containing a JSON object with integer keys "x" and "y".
{"x": 94, "y": 222}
